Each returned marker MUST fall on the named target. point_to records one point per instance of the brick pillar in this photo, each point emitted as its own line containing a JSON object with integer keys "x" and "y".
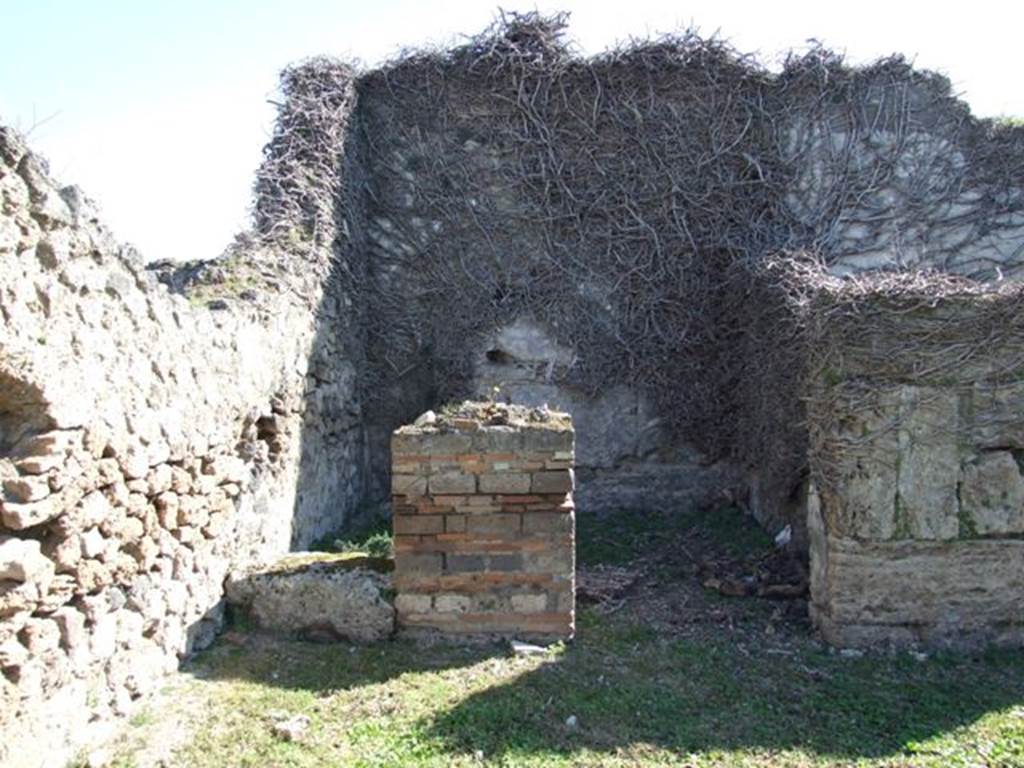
{"x": 484, "y": 524}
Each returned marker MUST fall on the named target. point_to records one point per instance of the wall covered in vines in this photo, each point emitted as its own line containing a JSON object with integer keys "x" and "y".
{"x": 647, "y": 207}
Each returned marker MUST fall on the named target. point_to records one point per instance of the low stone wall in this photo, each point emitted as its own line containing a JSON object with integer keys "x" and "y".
{"x": 916, "y": 514}
{"x": 317, "y": 596}
{"x": 484, "y": 524}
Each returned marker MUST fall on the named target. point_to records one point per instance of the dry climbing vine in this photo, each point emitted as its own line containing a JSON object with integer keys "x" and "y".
{"x": 630, "y": 203}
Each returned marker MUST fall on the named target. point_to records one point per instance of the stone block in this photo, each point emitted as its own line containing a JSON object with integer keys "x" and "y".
{"x": 929, "y": 467}
{"x": 547, "y": 522}
{"x": 181, "y": 481}
{"x": 413, "y": 603}
{"x": 995, "y": 416}
{"x": 451, "y": 603}
{"x": 556, "y": 561}
{"x": 504, "y": 483}
{"x": 499, "y": 439}
{"x": 551, "y": 482}
{"x": 94, "y": 508}
{"x": 535, "y": 603}
{"x": 159, "y": 479}
{"x": 418, "y": 564}
{"x": 316, "y": 599}
{"x": 55, "y": 443}
{"x": 227, "y": 469}
{"x": 555, "y": 441}
{"x": 71, "y": 624}
{"x": 418, "y": 524}
{"x": 109, "y": 472}
{"x": 431, "y": 443}
{"x": 407, "y": 465}
{"x": 17, "y": 517}
{"x": 408, "y": 485}
{"x": 862, "y": 502}
{"x": 39, "y": 465}
{"x": 506, "y": 562}
{"x": 452, "y": 483}
{"x": 992, "y": 495}
{"x": 134, "y": 463}
{"x": 460, "y": 563}
{"x": 23, "y": 490}
{"x": 494, "y": 523}
{"x": 93, "y": 543}
{"x": 21, "y": 560}
{"x": 40, "y": 636}
{"x": 454, "y": 523}
{"x": 958, "y": 594}
{"x": 167, "y": 504}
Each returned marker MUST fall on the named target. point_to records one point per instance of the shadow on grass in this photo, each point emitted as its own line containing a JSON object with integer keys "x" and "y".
{"x": 631, "y": 689}
{"x": 626, "y": 686}
{"x": 619, "y": 538}
{"x": 323, "y": 669}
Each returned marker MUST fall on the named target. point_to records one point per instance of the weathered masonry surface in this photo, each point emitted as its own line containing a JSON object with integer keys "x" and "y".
{"x": 598, "y": 235}
{"x": 484, "y": 527}
{"x": 150, "y": 445}
{"x": 916, "y": 515}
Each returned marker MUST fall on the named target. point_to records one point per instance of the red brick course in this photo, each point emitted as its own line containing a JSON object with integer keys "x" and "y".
{"x": 484, "y": 535}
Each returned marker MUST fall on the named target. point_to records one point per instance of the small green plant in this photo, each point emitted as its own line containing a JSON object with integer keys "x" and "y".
{"x": 370, "y": 534}
{"x": 376, "y": 545}
{"x": 1008, "y": 121}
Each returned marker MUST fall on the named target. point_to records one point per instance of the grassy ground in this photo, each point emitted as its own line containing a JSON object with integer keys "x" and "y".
{"x": 726, "y": 687}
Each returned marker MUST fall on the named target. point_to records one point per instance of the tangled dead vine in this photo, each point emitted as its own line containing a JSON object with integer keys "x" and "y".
{"x": 884, "y": 347}
{"x": 630, "y": 203}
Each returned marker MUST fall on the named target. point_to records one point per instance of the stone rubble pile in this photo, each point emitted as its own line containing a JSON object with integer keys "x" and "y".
{"x": 318, "y": 597}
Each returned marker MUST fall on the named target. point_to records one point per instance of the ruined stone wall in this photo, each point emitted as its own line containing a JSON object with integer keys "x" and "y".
{"x": 627, "y": 456}
{"x": 624, "y": 457}
{"x": 901, "y": 176}
{"x": 569, "y": 231}
{"x": 916, "y": 512}
{"x": 150, "y": 442}
{"x": 576, "y": 232}
{"x": 484, "y": 523}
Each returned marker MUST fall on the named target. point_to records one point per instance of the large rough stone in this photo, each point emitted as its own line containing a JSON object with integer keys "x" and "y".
{"x": 18, "y": 516}
{"x": 898, "y": 554}
{"x": 992, "y": 495}
{"x": 929, "y": 467}
{"x": 317, "y": 599}
{"x": 21, "y": 560}
{"x": 995, "y": 411}
{"x": 862, "y": 502}
{"x": 955, "y": 594}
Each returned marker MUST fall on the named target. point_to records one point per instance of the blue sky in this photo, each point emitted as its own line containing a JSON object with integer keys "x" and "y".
{"x": 159, "y": 110}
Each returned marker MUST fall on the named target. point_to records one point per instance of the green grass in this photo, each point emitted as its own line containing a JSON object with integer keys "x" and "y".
{"x": 619, "y": 539}
{"x": 370, "y": 535}
{"x": 639, "y": 698}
